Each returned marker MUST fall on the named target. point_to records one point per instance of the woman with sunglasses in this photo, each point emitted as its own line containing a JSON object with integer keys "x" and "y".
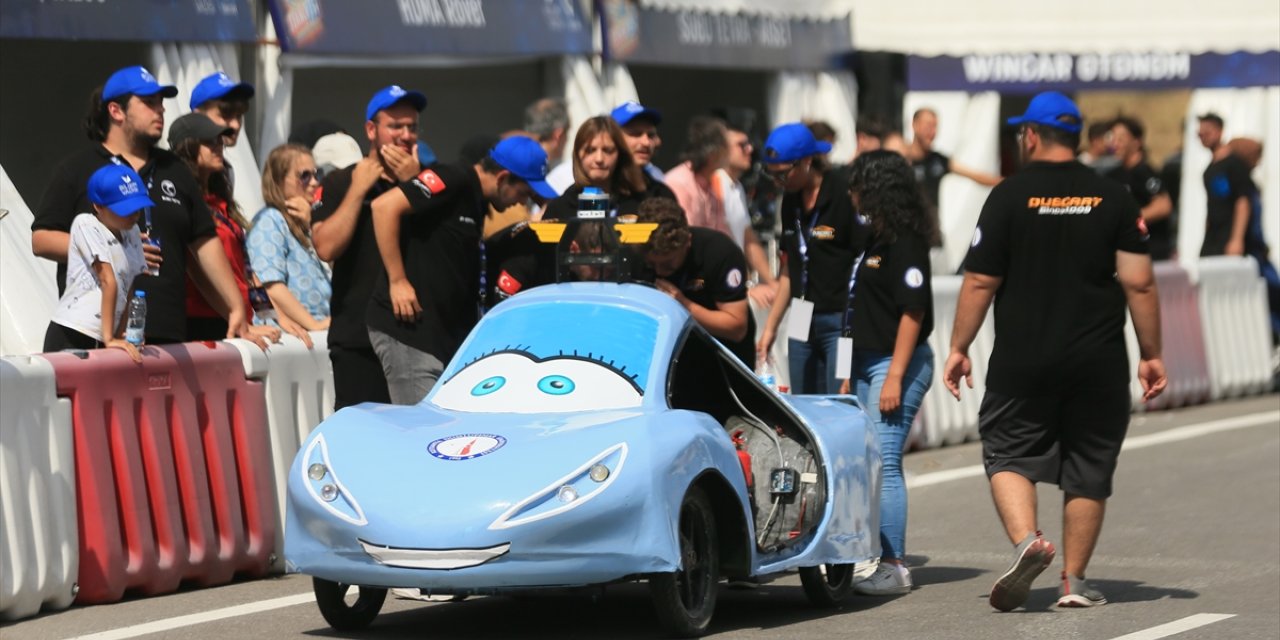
{"x": 280, "y": 247}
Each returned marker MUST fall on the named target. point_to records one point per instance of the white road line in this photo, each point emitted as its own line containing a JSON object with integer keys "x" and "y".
{"x": 1177, "y": 626}
{"x": 937, "y": 477}
{"x": 199, "y": 618}
{"x": 1138, "y": 442}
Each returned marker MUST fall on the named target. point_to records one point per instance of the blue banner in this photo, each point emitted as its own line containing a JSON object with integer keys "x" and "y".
{"x": 1035, "y": 72}
{"x": 690, "y": 38}
{"x": 140, "y": 20}
{"x": 471, "y": 28}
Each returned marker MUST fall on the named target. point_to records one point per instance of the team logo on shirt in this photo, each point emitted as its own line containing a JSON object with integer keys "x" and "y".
{"x": 429, "y": 182}
{"x": 628, "y": 218}
{"x": 872, "y": 262}
{"x": 733, "y": 278}
{"x": 1142, "y": 229}
{"x": 319, "y": 199}
{"x": 1064, "y": 205}
{"x": 166, "y": 187}
{"x": 697, "y": 284}
{"x": 1153, "y": 185}
{"x": 824, "y": 233}
{"x": 977, "y": 237}
{"x": 914, "y": 278}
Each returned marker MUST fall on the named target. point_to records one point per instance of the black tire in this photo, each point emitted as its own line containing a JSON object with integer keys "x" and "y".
{"x": 827, "y": 585}
{"x": 331, "y": 598}
{"x": 686, "y": 599}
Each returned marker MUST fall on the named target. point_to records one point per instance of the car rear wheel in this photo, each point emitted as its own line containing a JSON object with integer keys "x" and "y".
{"x": 686, "y": 598}
{"x": 827, "y": 585}
{"x": 346, "y": 614}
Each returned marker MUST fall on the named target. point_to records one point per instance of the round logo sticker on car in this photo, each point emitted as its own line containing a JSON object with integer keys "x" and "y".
{"x": 466, "y": 446}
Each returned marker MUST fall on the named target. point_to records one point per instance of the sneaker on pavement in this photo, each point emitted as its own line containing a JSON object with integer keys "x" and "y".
{"x": 1033, "y": 556}
{"x": 1076, "y": 592}
{"x": 889, "y": 580}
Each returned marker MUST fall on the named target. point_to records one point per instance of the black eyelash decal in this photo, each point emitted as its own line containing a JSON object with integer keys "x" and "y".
{"x": 590, "y": 357}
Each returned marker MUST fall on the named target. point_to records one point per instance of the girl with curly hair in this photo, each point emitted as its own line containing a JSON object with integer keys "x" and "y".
{"x": 891, "y": 319}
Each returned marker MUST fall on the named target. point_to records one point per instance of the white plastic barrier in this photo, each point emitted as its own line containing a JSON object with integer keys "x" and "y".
{"x": 1183, "y": 339}
{"x": 1233, "y": 308}
{"x": 298, "y": 383}
{"x": 39, "y": 548}
{"x": 943, "y": 420}
{"x": 28, "y": 293}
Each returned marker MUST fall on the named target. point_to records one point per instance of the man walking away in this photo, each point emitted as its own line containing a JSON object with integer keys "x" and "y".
{"x": 1061, "y": 250}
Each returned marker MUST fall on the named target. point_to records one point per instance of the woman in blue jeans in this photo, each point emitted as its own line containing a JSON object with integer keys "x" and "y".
{"x": 891, "y": 319}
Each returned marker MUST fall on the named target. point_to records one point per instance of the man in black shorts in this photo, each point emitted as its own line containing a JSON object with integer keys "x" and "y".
{"x": 1061, "y": 250}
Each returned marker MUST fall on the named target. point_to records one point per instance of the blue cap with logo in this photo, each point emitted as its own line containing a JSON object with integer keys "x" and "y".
{"x": 135, "y": 80}
{"x": 630, "y": 110}
{"x": 1051, "y": 109}
{"x": 118, "y": 188}
{"x": 791, "y": 142}
{"x": 526, "y": 160}
{"x": 393, "y": 94}
{"x": 218, "y": 85}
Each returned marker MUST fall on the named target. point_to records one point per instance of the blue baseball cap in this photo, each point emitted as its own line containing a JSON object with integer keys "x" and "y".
{"x": 393, "y": 94}
{"x": 630, "y": 110}
{"x": 791, "y": 142}
{"x": 135, "y": 80}
{"x": 1051, "y": 109}
{"x": 218, "y": 85}
{"x": 526, "y": 160}
{"x": 118, "y": 188}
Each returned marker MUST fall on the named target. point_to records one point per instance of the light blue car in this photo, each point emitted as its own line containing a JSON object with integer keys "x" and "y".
{"x": 586, "y": 434}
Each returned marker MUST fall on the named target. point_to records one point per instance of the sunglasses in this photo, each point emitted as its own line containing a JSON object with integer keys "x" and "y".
{"x": 305, "y": 177}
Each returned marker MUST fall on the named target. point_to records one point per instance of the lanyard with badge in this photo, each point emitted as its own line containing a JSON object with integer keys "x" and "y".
{"x": 844, "y": 344}
{"x": 800, "y": 317}
{"x": 481, "y": 207}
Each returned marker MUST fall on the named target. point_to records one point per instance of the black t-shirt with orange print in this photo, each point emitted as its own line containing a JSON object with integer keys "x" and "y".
{"x": 1051, "y": 232}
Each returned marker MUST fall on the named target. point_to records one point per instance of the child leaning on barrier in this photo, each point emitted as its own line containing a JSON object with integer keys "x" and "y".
{"x": 104, "y": 257}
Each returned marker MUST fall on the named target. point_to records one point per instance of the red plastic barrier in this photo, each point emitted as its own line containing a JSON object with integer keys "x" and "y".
{"x": 173, "y": 469}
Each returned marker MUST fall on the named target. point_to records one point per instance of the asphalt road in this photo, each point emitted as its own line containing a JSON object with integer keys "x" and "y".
{"x": 1190, "y": 549}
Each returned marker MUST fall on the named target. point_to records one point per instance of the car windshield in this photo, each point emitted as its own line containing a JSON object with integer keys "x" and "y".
{"x": 551, "y": 358}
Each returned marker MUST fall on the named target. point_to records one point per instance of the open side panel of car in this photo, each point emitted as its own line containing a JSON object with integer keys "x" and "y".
{"x": 784, "y": 475}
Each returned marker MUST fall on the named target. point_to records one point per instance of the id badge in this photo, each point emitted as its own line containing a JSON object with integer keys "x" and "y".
{"x": 799, "y": 319}
{"x": 844, "y": 358}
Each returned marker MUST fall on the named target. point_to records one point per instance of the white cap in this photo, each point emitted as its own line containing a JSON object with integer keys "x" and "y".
{"x": 336, "y": 151}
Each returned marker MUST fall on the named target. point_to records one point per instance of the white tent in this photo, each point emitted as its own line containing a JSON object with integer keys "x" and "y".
{"x": 937, "y": 27}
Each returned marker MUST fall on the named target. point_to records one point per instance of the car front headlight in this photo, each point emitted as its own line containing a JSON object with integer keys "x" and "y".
{"x": 571, "y": 491}
{"x": 323, "y": 484}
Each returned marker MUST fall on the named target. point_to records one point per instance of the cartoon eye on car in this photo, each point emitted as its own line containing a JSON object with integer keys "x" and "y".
{"x": 586, "y": 434}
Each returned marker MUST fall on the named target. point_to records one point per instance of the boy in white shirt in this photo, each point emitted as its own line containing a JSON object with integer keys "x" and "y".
{"x": 104, "y": 257}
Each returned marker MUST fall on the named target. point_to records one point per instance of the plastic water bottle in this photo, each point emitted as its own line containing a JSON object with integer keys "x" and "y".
{"x": 767, "y": 374}
{"x": 135, "y": 328}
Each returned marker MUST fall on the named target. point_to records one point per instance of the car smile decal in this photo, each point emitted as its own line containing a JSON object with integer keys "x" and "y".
{"x": 466, "y": 446}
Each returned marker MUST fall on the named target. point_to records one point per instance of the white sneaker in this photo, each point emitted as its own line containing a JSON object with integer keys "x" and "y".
{"x": 889, "y": 580}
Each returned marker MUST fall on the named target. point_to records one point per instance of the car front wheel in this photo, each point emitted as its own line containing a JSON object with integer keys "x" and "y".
{"x": 827, "y": 585}
{"x": 343, "y": 614}
{"x": 686, "y": 598}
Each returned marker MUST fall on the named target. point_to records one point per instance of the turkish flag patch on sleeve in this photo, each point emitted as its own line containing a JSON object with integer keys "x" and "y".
{"x": 508, "y": 284}
{"x": 431, "y": 180}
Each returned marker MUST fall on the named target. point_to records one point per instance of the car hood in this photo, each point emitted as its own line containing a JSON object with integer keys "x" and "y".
{"x": 429, "y": 477}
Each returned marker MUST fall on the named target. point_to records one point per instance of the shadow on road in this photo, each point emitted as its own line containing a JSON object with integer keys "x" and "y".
{"x": 623, "y": 612}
